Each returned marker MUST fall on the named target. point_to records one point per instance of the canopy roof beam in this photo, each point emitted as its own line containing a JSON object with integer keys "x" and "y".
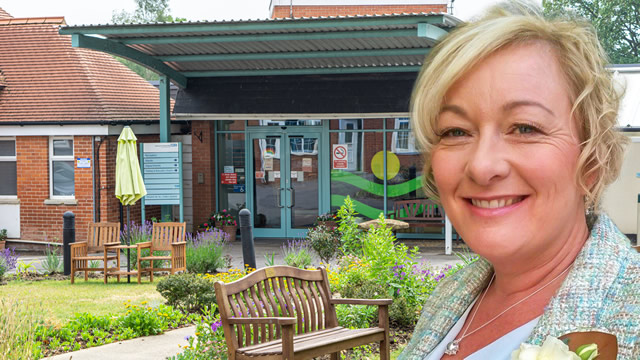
{"x": 277, "y": 25}
{"x": 115, "y": 48}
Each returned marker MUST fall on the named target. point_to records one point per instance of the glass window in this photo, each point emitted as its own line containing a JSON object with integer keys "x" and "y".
{"x": 62, "y": 168}
{"x": 361, "y": 177}
{"x": 8, "y": 170}
{"x": 230, "y": 160}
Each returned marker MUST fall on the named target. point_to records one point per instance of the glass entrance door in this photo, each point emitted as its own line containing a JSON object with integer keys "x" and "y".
{"x": 285, "y": 182}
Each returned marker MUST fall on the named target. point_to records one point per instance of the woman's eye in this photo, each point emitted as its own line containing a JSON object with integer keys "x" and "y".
{"x": 525, "y": 129}
{"x": 453, "y": 133}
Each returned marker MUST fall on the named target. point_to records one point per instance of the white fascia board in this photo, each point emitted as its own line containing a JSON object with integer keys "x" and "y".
{"x": 356, "y": 2}
{"x": 54, "y": 130}
{"x": 80, "y": 130}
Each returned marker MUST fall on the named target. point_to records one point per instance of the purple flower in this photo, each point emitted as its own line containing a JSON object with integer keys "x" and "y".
{"x": 216, "y": 325}
{"x": 187, "y": 337}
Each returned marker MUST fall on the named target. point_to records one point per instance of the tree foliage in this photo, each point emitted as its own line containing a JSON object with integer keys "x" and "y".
{"x": 617, "y": 23}
{"x": 146, "y": 11}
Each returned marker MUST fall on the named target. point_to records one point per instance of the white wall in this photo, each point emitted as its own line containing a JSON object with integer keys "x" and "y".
{"x": 10, "y": 218}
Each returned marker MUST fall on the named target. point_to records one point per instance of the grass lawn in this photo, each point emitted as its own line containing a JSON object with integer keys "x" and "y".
{"x": 60, "y": 300}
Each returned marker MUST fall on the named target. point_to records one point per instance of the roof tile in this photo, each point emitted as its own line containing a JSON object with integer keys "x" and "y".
{"x": 46, "y": 79}
{"x": 4, "y": 14}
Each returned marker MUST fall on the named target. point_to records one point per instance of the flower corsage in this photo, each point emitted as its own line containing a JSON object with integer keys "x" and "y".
{"x": 554, "y": 349}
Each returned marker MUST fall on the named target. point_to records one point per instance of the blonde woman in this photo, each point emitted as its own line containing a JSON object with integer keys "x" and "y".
{"x": 516, "y": 114}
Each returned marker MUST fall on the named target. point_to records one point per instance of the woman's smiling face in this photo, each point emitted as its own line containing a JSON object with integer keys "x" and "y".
{"x": 507, "y": 154}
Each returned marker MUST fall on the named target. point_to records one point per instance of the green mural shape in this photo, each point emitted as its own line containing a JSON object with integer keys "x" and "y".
{"x": 362, "y": 209}
{"x": 376, "y": 189}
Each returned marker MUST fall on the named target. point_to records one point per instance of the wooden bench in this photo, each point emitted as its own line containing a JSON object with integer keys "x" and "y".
{"x": 419, "y": 213}
{"x": 283, "y": 312}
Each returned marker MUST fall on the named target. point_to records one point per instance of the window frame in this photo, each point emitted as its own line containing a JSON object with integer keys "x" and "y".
{"x": 411, "y": 142}
{"x": 53, "y": 158}
{"x": 10, "y": 159}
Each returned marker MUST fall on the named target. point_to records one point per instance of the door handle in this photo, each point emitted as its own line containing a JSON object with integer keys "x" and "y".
{"x": 278, "y": 200}
{"x": 293, "y": 197}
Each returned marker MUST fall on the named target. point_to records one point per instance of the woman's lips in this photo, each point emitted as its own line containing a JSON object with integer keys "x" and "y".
{"x": 496, "y": 203}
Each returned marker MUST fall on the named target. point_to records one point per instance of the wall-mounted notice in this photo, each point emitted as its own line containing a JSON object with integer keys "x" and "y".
{"x": 228, "y": 169}
{"x": 161, "y": 170}
{"x": 83, "y": 163}
{"x": 259, "y": 174}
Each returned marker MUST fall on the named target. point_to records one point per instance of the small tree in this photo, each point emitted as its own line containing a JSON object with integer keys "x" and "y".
{"x": 348, "y": 227}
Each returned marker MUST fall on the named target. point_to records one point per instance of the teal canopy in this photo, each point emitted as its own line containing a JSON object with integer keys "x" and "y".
{"x": 129, "y": 183}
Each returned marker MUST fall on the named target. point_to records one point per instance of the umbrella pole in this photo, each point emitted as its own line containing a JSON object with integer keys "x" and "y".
{"x": 128, "y": 243}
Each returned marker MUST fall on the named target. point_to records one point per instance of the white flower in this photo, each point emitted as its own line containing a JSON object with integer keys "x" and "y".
{"x": 551, "y": 349}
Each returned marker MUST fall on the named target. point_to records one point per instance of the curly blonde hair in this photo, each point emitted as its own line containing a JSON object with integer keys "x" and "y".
{"x": 591, "y": 87}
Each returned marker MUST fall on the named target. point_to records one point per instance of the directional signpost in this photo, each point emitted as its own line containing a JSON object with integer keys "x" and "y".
{"x": 162, "y": 172}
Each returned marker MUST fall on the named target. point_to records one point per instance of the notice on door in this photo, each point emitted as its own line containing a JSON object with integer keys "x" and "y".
{"x": 227, "y": 178}
{"x": 339, "y": 156}
{"x": 268, "y": 164}
{"x": 307, "y": 164}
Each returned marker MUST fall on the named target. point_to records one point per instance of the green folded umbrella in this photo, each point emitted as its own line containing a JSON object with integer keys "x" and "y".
{"x": 129, "y": 183}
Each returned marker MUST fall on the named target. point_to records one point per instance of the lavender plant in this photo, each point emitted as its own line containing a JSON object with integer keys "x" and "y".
{"x": 8, "y": 261}
{"x": 136, "y": 233}
{"x": 297, "y": 253}
{"x": 205, "y": 251}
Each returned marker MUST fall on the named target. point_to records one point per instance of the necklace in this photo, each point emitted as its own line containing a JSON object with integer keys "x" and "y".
{"x": 453, "y": 347}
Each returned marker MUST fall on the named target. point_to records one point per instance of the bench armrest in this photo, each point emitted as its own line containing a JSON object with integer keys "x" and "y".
{"x": 78, "y": 244}
{"x": 263, "y": 320}
{"x": 379, "y": 302}
{"x": 142, "y": 245}
{"x": 178, "y": 243}
{"x": 112, "y": 244}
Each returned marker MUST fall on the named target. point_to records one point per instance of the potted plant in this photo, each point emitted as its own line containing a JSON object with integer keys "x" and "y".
{"x": 229, "y": 225}
{"x": 327, "y": 219}
{"x": 3, "y": 238}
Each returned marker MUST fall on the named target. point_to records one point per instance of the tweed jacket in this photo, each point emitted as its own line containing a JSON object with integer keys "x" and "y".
{"x": 600, "y": 293}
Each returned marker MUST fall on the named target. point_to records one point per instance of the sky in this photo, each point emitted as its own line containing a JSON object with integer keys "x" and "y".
{"x": 84, "y": 12}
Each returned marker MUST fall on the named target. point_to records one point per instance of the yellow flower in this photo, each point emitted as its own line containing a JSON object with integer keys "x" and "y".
{"x": 144, "y": 302}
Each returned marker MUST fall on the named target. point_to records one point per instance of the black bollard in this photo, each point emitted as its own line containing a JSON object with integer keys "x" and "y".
{"x": 246, "y": 235}
{"x": 68, "y": 237}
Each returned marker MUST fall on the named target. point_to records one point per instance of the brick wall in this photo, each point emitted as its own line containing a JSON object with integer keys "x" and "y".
{"x": 346, "y": 10}
{"x": 40, "y": 222}
{"x": 203, "y": 162}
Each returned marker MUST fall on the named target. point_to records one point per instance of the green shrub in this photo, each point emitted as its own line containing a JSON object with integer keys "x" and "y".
{"x": 348, "y": 227}
{"x": 297, "y": 253}
{"x": 3, "y": 267}
{"x": 205, "y": 251}
{"x": 209, "y": 342}
{"x": 188, "y": 292}
{"x": 324, "y": 241}
{"x": 52, "y": 263}
{"x": 356, "y": 316}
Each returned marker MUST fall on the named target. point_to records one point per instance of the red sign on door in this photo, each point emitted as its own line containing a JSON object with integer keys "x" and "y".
{"x": 339, "y": 156}
{"x": 228, "y": 178}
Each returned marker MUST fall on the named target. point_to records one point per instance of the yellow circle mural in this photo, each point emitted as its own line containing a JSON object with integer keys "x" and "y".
{"x": 377, "y": 165}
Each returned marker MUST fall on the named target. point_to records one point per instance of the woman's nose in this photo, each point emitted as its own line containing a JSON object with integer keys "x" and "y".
{"x": 487, "y": 162}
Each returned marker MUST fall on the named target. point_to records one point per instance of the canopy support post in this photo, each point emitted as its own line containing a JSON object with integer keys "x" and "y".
{"x": 165, "y": 130}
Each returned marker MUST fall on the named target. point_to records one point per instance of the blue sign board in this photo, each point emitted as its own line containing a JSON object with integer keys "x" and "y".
{"x": 162, "y": 172}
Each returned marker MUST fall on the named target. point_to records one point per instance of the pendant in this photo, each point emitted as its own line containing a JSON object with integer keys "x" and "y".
{"x": 452, "y": 347}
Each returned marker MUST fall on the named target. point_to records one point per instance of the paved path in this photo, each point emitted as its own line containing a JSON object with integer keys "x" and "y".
{"x": 156, "y": 347}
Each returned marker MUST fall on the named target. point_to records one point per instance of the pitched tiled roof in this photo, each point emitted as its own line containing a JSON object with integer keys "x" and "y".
{"x": 4, "y": 14}
{"x": 48, "y": 80}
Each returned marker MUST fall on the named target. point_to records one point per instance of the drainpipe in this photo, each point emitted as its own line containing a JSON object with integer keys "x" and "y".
{"x": 451, "y": 7}
{"x": 291, "y": 9}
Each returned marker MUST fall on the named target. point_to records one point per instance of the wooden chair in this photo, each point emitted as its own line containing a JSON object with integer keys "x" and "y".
{"x": 100, "y": 235}
{"x": 283, "y": 312}
{"x": 167, "y": 236}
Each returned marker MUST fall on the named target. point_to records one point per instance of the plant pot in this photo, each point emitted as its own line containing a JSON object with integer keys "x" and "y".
{"x": 2, "y": 244}
{"x": 231, "y": 230}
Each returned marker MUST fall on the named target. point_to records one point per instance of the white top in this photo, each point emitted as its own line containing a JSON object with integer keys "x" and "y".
{"x": 497, "y": 350}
